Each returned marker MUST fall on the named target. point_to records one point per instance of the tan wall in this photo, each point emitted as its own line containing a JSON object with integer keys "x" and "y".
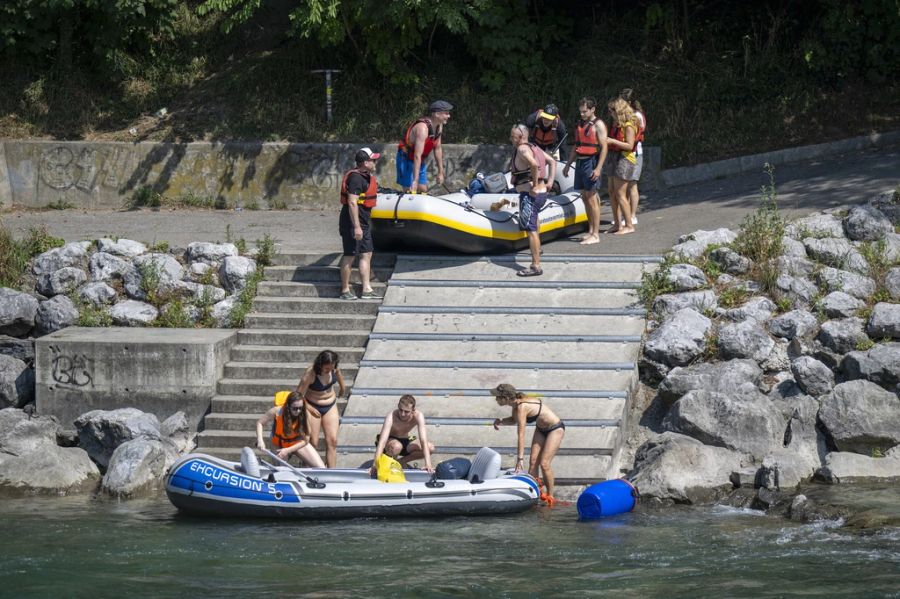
{"x": 105, "y": 175}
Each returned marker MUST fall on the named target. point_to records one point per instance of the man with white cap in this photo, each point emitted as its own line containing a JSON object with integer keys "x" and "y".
{"x": 359, "y": 190}
{"x": 422, "y": 138}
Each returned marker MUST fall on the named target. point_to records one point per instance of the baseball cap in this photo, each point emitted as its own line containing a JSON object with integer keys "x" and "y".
{"x": 440, "y": 106}
{"x": 550, "y": 112}
{"x": 366, "y": 154}
{"x": 504, "y": 390}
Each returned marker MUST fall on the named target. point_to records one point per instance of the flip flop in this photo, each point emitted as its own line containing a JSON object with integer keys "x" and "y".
{"x": 531, "y": 271}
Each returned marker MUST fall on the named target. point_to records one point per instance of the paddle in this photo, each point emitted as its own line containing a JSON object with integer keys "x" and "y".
{"x": 312, "y": 483}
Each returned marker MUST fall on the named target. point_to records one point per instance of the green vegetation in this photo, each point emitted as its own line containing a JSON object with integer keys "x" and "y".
{"x": 656, "y": 282}
{"x": 160, "y": 247}
{"x": 718, "y": 79}
{"x": 15, "y": 254}
{"x": 265, "y": 251}
{"x": 90, "y": 315}
{"x": 244, "y": 303}
{"x": 175, "y": 316}
{"x": 760, "y": 235}
{"x": 734, "y": 296}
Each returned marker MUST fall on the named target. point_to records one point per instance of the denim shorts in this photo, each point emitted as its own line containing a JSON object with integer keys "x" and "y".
{"x": 584, "y": 168}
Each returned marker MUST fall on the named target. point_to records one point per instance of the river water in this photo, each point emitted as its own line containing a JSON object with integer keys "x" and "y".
{"x": 84, "y": 546}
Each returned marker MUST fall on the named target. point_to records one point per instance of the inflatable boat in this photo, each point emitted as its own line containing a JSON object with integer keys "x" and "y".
{"x": 481, "y": 223}
{"x": 204, "y": 485}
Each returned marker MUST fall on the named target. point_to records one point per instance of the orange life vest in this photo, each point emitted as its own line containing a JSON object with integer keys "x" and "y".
{"x": 520, "y": 176}
{"x": 587, "y": 142}
{"x": 642, "y": 126}
{"x": 430, "y": 141}
{"x": 367, "y": 199}
{"x": 544, "y": 137}
{"x": 619, "y": 134}
{"x": 278, "y": 437}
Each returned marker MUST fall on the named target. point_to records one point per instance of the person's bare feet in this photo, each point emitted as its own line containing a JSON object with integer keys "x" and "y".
{"x": 612, "y": 230}
{"x": 591, "y": 240}
{"x": 624, "y": 231}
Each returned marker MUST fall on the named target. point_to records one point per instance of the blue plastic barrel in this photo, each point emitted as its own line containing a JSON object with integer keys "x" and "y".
{"x": 608, "y": 498}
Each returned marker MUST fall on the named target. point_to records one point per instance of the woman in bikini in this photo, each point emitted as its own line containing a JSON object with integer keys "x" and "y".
{"x": 549, "y": 431}
{"x": 317, "y": 388}
{"x": 290, "y": 431}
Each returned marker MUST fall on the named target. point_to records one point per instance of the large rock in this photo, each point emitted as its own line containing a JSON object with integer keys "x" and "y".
{"x": 892, "y": 283}
{"x": 815, "y": 225}
{"x": 97, "y": 293}
{"x": 169, "y": 268}
{"x": 838, "y": 304}
{"x": 723, "y": 377}
{"x": 745, "y": 339}
{"x": 21, "y": 349}
{"x": 778, "y": 359}
{"x": 792, "y": 248}
{"x": 682, "y": 277}
{"x": 31, "y": 462}
{"x": 730, "y": 261}
{"x": 746, "y": 420}
{"x": 861, "y": 417}
{"x": 867, "y": 223}
{"x": 61, "y": 281}
{"x": 678, "y": 468}
{"x": 892, "y": 248}
{"x": 209, "y": 252}
{"x": 100, "y": 432}
{"x": 54, "y": 314}
{"x": 136, "y": 467}
{"x": 178, "y": 431}
{"x": 679, "y": 339}
{"x": 16, "y": 382}
{"x": 796, "y": 323}
{"x": 880, "y": 364}
{"x": 17, "y": 312}
{"x": 814, "y": 377}
{"x": 798, "y": 290}
{"x": 194, "y": 291}
{"x": 695, "y": 244}
{"x": 130, "y": 313}
{"x": 108, "y": 268}
{"x": 235, "y": 271}
{"x": 850, "y": 283}
{"x": 803, "y": 447}
{"x": 888, "y": 202}
{"x": 221, "y": 312}
{"x": 839, "y": 253}
{"x": 885, "y": 321}
{"x": 70, "y": 255}
{"x": 124, "y": 248}
{"x": 796, "y": 266}
{"x": 670, "y": 303}
{"x": 842, "y": 335}
{"x": 847, "y": 467}
{"x": 757, "y": 308}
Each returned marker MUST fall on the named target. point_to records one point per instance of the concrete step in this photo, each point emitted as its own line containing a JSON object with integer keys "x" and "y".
{"x": 327, "y": 289}
{"x": 477, "y": 435}
{"x": 320, "y": 273}
{"x": 531, "y": 324}
{"x": 303, "y": 322}
{"x": 474, "y": 378}
{"x": 568, "y": 468}
{"x": 329, "y": 259}
{"x": 389, "y": 349}
{"x": 484, "y": 406}
{"x": 399, "y": 295}
{"x": 315, "y": 305}
{"x": 274, "y": 370}
{"x": 292, "y": 354}
{"x": 254, "y": 405}
{"x": 506, "y": 271}
{"x": 321, "y": 338}
{"x": 259, "y": 387}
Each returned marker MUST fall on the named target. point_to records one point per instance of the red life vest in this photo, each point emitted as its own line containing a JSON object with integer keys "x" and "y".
{"x": 587, "y": 142}
{"x": 524, "y": 176}
{"x": 430, "y": 141}
{"x": 279, "y": 439}
{"x": 642, "y": 126}
{"x": 619, "y": 134}
{"x": 544, "y": 137}
{"x": 367, "y": 200}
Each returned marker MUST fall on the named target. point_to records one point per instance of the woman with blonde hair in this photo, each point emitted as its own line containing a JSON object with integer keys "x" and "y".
{"x": 622, "y": 163}
{"x": 549, "y": 431}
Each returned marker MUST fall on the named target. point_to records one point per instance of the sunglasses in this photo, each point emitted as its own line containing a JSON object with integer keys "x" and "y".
{"x": 296, "y": 409}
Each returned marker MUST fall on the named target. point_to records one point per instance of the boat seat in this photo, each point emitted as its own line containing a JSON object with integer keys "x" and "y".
{"x": 249, "y": 462}
{"x": 485, "y": 466}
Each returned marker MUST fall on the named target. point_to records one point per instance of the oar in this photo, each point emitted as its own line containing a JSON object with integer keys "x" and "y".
{"x": 312, "y": 483}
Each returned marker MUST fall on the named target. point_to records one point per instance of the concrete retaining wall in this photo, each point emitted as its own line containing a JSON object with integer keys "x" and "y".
{"x": 105, "y": 175}
{"x": 160, "y": 371}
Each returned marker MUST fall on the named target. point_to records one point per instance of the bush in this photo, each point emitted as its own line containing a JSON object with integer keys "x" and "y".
{"x": 15, "y": 254}
{"x": 760, "y": 235}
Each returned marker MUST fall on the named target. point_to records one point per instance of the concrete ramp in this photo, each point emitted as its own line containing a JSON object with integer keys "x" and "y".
{"x": 451, "y": 328}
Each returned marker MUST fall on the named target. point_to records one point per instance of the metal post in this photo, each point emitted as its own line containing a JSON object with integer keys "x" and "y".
{"x": 328, "y": 73}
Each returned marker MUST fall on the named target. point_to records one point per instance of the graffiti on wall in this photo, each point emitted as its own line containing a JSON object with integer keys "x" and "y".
{"x": 74, "y": 371}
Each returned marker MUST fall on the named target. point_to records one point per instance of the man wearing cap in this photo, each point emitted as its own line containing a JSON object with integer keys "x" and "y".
{"x": 359, "y": 190}
{"x": 546, "y": 129}
{"x": 422, "y": 138}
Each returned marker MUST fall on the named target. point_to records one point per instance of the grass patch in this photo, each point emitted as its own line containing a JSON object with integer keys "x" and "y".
{"x": 15, "y": 254}
{"x": 656, "y": 282}
{"x": 60, "y": 204}
{"x": 760, "y": 235}
{"x": 244, "y": 303}
{"x": 732, "y": 297}
{"x": 90, "y": 315}
{"x": 143, "y": 197}
{"x": 159, "y": 247}
{"x": 175, "y": 316}
{"x": 265, "y": 251}
{"x": 864, "y": 344}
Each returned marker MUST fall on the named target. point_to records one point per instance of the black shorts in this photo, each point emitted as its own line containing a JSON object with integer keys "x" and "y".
{"x": 352, "y": 247}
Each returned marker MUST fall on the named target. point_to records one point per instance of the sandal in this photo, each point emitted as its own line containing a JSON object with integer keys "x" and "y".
{"x": 531, "y": 271}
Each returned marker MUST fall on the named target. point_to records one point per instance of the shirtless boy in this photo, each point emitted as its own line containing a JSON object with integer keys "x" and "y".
{"x": 394, "y": 438}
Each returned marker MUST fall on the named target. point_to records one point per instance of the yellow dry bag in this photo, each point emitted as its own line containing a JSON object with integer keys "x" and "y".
{"x": 281, "y": 397}
{"x": 389, "y": 470}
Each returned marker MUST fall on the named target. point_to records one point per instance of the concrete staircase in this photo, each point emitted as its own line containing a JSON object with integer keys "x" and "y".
{"x": 296, "y": 314}
{"x": 450, "y": 328}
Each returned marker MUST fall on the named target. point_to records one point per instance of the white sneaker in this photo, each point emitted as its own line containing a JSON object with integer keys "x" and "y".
{"x": 633, "y": 220}
{"x": 622, "y": 223}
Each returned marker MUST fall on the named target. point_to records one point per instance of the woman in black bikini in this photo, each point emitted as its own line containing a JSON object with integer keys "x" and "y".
{"x": 549, "y": 431}
{"x": 317, "y": 388}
